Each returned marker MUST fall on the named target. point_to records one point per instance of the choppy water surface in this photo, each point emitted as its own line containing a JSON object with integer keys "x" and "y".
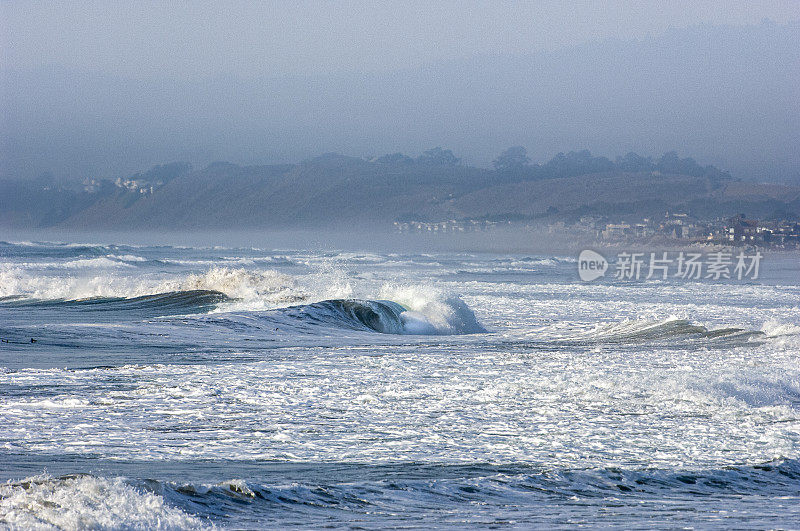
{"x": 194, "y": 387}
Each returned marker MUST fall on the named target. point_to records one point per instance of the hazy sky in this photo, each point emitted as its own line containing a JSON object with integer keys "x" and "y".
{"x": 109, "y": 88}
{"x": 274, "y": 38}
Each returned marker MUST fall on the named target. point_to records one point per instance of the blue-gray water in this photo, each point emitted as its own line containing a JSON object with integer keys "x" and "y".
{"x": 232, "y": 387}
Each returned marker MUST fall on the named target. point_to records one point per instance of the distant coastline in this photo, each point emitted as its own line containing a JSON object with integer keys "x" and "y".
{"x": 609, "y": 199}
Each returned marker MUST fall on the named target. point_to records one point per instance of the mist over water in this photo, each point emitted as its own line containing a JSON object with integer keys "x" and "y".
{"x": 185, "y": 386}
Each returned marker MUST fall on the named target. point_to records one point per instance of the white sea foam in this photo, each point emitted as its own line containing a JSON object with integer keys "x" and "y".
{"x": 594, "y": 377}
{"x": 243, "y": 284}
{"x": 782, "y": 333}
{"x": 87, "y": 502}
{"x": 264, "y": 286}
{"x": 432, "y": 309}
{"x": 452, "y": 402}
{"x": 128, "y": 257}
{"x": 95, "y": 263}
{"x": 77, "y": 285}
{"x": 417, "y": 323}
{"x": 777, "y": 328}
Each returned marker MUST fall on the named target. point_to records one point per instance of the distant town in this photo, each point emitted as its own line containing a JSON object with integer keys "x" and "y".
{"x": 676, "y": 228}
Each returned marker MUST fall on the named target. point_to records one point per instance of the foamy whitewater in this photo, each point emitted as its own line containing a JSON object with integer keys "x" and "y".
{"x": 181, "y": 388}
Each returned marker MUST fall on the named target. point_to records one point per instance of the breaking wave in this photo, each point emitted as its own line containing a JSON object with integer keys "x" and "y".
{"x": 88, "y": 502}
{"x": 448, "y": 495}
{"x": 272, "y": 295}
{"x": 267, "y": 286}
{"x": 383, "y": 316}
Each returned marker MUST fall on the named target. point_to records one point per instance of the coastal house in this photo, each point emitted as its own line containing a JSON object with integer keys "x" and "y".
{"x": 740, "y": 229}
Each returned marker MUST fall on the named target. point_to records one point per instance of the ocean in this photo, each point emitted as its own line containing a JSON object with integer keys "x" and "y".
{"x": 156, "y": 386}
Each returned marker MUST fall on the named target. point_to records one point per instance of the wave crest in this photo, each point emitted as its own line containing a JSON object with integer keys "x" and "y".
{"x": 397, "y": 310}
{"x": 645, "y": 331}
{"x": 382, "y": 316}
{"x": 87, "y": 502}
{"x": 446, "y": 313}
{"x": 265, "y": 286}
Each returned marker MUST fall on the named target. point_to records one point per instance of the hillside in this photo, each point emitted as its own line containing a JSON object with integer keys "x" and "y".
{"x": 338, "y": 191}
{"x": 643, "y": 194}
